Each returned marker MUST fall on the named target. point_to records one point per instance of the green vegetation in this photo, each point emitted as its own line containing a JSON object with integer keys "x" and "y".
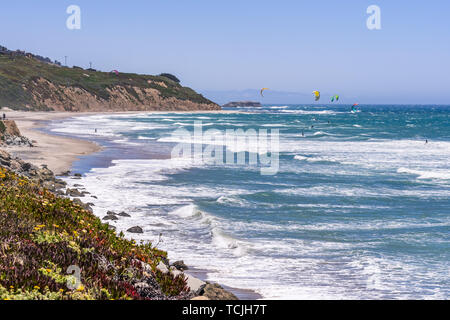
{"x": 41, "y": 235}
{"x": 170, "y": 76}
{"x": 19, "y": 75}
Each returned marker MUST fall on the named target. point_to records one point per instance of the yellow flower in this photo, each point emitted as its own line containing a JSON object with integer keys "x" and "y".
{"x": 36, "y": 287}
{"x": 80, "y": 288}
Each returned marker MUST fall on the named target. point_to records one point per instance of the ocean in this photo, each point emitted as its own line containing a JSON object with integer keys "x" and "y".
{"x": 359, "y": 207}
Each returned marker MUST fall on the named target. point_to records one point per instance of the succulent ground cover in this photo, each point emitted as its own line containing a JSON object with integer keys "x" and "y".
{"x": 45, "y": 239}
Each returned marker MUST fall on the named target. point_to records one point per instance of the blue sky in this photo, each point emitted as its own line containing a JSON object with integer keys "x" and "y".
{"x": 224, "y": 47}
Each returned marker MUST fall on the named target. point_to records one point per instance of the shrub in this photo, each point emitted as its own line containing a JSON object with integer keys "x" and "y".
{"x": 170, "y": 76}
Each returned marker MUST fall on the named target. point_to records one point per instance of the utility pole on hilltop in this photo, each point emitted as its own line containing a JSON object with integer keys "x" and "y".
{"x": 65, "y": 60}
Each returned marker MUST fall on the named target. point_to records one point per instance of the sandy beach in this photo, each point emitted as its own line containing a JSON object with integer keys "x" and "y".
{"x": 57, "y": 152}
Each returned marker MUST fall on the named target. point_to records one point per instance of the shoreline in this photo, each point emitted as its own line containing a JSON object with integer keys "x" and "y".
{"x": 61, "y": 152}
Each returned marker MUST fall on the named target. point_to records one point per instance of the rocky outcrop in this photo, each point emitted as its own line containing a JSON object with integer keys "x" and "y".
{"x": 10, "y": 135}
{"x": 242, "y": 104}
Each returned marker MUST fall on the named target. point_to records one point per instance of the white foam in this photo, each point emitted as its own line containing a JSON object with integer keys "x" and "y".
{"x": 438, "y": 174}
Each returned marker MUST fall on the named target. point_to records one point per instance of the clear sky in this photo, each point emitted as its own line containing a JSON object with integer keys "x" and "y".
{"x": 286, "y": 45}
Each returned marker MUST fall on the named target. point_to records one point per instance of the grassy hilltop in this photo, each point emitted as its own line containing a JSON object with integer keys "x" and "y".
{"x": 20, "y": 88}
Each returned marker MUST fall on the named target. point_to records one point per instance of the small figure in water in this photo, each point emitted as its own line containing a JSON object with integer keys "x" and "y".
{"x": 312, "y": 127}
{"x": 426, "y": 141}
{"x": 95, "y": 130}
{"x": 303, "y": 133}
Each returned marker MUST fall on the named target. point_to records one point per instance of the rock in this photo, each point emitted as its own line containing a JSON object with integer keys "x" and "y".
{"x": 74, "y": 193}
{"x": 136, "y": 230}
{"x": 110, "y": 217}
{"x": 78, "y": 175}
{"x": 111, "y": 213}
{"x": 179, "y": 265}
{"x": 124, "y": 214}
{"x": 213, "y": 291}
{"x": 83, "y": 205}
{"x": 26, "y": 166}
{"x": 162, "y": 267}
{"x": 195, "y": 285}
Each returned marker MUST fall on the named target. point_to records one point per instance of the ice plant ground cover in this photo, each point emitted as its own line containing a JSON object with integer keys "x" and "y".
{"x": 43, "y": 236}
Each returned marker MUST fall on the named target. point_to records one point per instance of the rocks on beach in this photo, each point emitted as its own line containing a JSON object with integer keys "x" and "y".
{"x": 10, "y": 135}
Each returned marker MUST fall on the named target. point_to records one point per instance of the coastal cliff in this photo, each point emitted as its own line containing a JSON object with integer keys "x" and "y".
{"x": 32, "y": 84}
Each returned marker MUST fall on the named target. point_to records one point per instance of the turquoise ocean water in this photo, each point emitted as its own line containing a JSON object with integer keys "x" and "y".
{"x": 359, "y": 208}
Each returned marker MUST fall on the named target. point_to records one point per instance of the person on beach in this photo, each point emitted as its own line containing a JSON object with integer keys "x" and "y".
{"x": 4, "y": 116}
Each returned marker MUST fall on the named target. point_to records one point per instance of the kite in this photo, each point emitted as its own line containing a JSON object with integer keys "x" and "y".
{"x": 262, "y": 90}
{"x": 316, "y": 95}
{"x": 333, "y": 98}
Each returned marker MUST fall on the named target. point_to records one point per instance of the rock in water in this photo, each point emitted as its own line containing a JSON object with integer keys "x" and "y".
{"x": 110, "y": 217}
{"x": 179, "y": 265}
{"x": 136, "y": 230}
{"x": 124, "y": 214}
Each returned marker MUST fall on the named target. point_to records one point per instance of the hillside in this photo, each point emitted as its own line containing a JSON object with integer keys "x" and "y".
{"x": 42, "y": 235}
{"x": 29, "y": 83}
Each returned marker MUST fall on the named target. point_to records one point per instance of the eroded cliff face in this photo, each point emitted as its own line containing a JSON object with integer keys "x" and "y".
{"x": 120, "y": 98}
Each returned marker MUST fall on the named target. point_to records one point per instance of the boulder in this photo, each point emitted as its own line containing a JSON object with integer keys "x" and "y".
{"x": 74, "y": 193}
{"x": 110, "y": 217}
{"x": 179, "y": 265}
{"x": 136, "y": 229}
{"x": 214, "y": 291}
{"x": 124, "y": 214}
